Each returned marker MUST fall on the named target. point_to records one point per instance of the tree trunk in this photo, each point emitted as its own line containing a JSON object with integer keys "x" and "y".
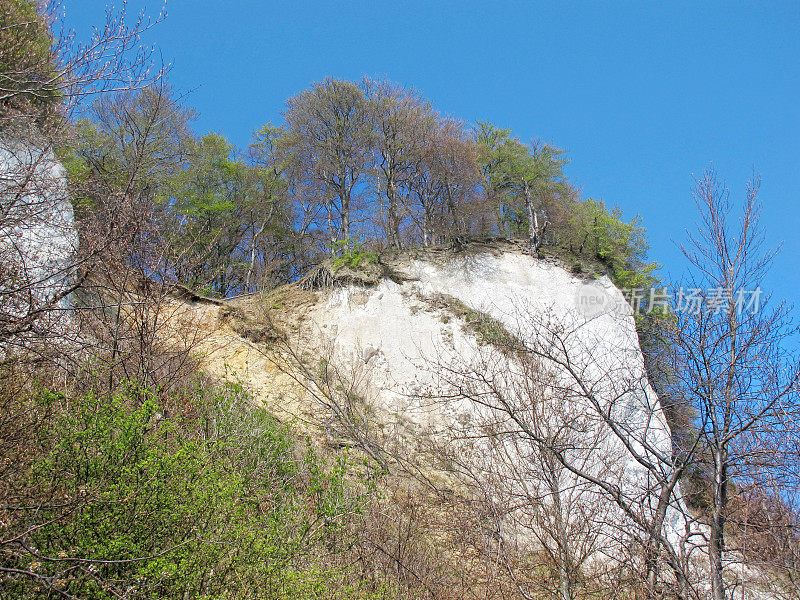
{"x": 650, "y": 571}
{"x": 332, "y": 235}
{"x": 426, "y": 226}
{"x": 565, "y": 568}
{"x": 498, "y": 214}
{"x": 392, "y": 217}
{"x": 251, "y": 266}
{"x": 717, "y": 542}
{"x": 451, "y": 208}
{"x": 564, "y": 558}
{"x": 345, "y": 225}
{"x": 533, "y": 219}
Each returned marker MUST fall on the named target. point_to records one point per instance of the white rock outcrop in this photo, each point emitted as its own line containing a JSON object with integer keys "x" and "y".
{"x": 38, "y": 238}
{"x": 401, "y": 337}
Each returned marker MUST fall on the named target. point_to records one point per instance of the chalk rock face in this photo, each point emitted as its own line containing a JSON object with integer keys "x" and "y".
{"x": 38, "y": 238}
{"x": 419, "y": 341}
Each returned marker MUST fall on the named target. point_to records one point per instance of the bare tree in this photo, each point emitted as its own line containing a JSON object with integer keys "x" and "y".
{"x": 327, "y": 139}
{"x": 536, "y": 506}
{"x": 400, "y": 119}
{"x": 38, "y": 242}
{"x": 456, "y": 170}
{"x": 423, "y": 187}
{"x": 45, "y": 74}
{"x": 732, "y": 366}
{"x": 47, "y": 71}
{"x": 443, "y": 182}
{"x": 74, "y": 316}
{"x": 559, "y": 390}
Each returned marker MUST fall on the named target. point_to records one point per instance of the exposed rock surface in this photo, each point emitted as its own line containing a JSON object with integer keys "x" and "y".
{"x": 393, "y": 337}
{"x": 396, "y": 342}
{"x": 38, "y": 238}
{"x": 405, "y": 335}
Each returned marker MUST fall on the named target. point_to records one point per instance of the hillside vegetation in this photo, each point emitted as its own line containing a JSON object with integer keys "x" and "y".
{"x": 356, "y": 168}
{"x": 213, "y": 397}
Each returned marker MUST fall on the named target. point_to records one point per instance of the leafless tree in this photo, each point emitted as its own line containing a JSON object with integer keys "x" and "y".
{"x": 433, "y": 543}
{"x": 327, "y": 141}
{"x": 536, "y": 507}
{"x": 563, "y": 392}
{"x": 37, "y": 242}
{"x": 731, "y": 362}
{"x": 442, "y": 183}
{"x": 48, "y": 70}
{"x": 400, "y": 119}
{"x": 46, "y": 73}
{"x": 74, "y": 317}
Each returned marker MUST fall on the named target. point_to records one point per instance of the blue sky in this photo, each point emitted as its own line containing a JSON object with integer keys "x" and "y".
{"x": 641, "y": 94}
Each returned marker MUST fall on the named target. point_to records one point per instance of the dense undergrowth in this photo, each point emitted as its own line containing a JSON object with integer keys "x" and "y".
{"x": 219, "y": 500}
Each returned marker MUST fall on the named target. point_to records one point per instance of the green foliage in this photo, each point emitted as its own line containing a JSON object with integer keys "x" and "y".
{"x": 221, "y": 207}
{"x": 621, "y": 245}
{"x": 227, "y": 223}
{"x": 215, "y": 221}
{"x": 120, "y": 161}
{"x": 515, "y": 174}
{"x": 351, "y": 254}
{"x": 219, "y": 503}
{"x": 26, "y": 61}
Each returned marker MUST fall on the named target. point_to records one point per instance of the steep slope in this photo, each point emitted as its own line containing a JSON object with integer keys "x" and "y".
{"x": 434, "y": 350}
{"x": 433, "y": 344}
{"x": 457, "y": 369}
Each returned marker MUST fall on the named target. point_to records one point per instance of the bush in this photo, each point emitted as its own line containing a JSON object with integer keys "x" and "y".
{"x": 352, "y": 255}
{"x": 26, "y": 61}
{"x": 596, "y": 233}
{"x": 217, "y": 503}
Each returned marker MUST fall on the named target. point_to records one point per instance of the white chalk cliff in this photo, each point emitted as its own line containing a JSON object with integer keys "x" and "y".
{"x": 417, "y": 355}
{"x": 38, "y": 238}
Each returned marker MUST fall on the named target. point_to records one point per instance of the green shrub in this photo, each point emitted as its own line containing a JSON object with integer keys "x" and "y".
{"x": 352, "y": 254}
{"x": 217, "y": 503}
{"x": 27, "y": 68}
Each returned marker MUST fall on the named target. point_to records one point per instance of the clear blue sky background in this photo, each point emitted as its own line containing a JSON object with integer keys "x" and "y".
{"x": 642, "y": 94}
